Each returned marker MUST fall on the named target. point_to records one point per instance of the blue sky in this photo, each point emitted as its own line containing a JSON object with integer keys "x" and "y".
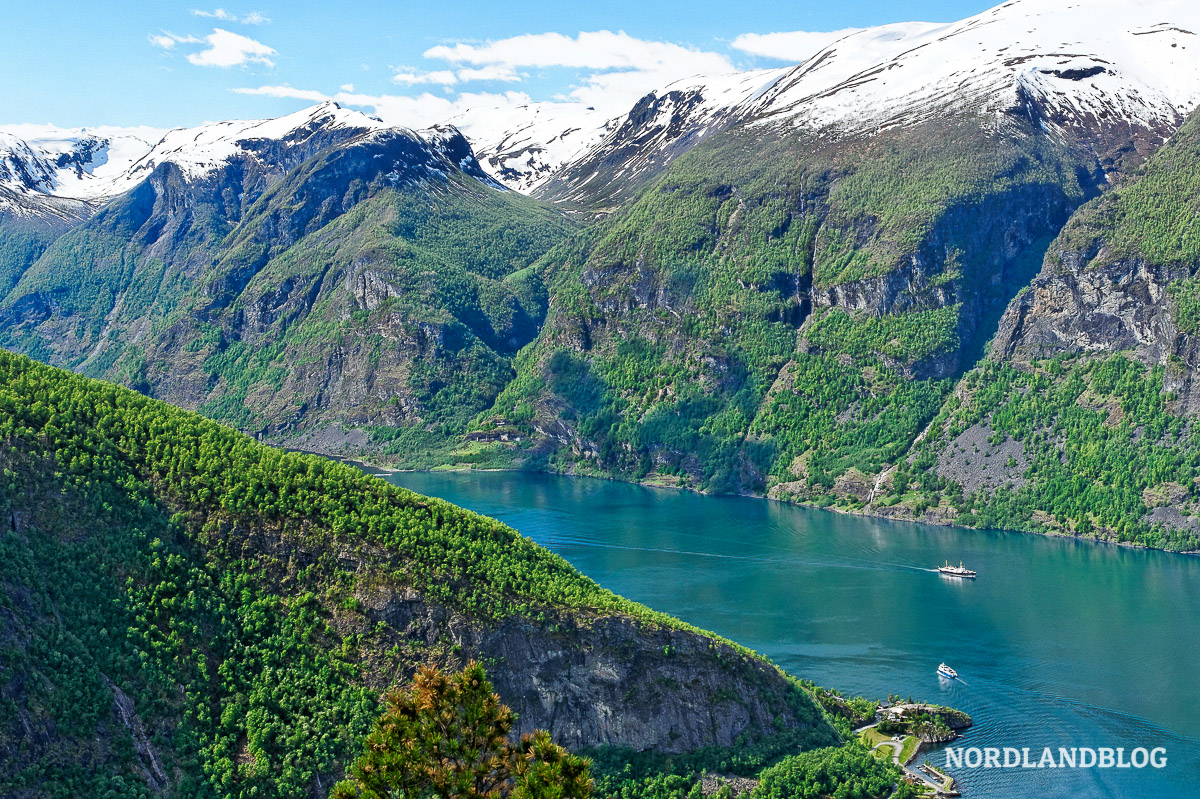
{"x": 166, "y": 64}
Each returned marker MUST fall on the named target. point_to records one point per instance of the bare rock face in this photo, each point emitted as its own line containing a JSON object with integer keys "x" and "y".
{"x": 618, "y": 681}
{"x": 1076, "y": 308}
{"x": 1082, "y": 304}
{"x": 615, "y": 680}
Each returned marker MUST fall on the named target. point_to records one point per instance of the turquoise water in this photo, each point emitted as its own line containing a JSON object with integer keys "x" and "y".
{"x": 1058, "y": 643}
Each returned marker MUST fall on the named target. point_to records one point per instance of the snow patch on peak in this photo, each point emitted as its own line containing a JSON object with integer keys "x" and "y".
{"x": 199, "y": 151}
{"x": 1087, "y": 61}
{"x": 524, "y": 145}
{"x": 22, "y": 170}
{"x": 77, "y": 163}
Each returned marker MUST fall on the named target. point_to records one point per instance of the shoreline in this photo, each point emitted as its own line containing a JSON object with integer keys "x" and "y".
{"x": 385, "y": 470}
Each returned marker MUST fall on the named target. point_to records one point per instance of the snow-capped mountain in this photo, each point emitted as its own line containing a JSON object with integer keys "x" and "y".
{"x": 47, "y": 171}
{"x": 1115, "y": 75}
{"x": 22, "y": 168}
{"x": 1090, "y": 63}
{"x": 528, "y": 147}
{"x": 662, "y": 125}
{"x": 78, "y": 163}
{"x": 199, "y": 151}
{"x": 525, "y": 145}
{"x": 68, "y": 173}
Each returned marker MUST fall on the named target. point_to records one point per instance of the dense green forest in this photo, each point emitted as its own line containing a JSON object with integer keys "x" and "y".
{"x": 184, "y": 610}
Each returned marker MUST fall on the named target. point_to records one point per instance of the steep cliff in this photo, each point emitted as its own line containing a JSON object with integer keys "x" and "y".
{"x": 1081, "y": 420}
{"x": 1119, "y": 277}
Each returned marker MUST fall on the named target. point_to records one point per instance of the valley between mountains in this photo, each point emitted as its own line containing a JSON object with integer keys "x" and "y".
{"x": 933, "y": 272}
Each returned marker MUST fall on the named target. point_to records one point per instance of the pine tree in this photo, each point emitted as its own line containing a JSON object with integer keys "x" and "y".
{"x": 447, "y": 736}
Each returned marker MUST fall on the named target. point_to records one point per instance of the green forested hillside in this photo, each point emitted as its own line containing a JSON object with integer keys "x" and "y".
{"x": 424, "y": 296}
{"x": 783, "y": 308}
{"x": 779, "y": 312}
{"x": 373, "y": 287}
{"x": 21, "y": 244}
{"x": 187, "y": 612}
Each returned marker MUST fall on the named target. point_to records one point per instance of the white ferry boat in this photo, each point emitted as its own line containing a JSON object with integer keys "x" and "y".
{"x": 947, "y": 672}
{"x": 956, "y": 571}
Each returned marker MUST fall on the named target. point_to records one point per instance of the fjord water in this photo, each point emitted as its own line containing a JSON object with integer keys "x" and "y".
{"x": 1058, "y": 643}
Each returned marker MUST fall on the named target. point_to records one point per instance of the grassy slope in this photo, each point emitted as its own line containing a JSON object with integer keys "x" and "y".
{"x": 143, "y": 567}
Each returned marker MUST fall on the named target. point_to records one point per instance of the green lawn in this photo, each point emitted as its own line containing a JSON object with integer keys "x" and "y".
{"x": 873, "y": 736}
{"x": 883, "y": 753}
{"x": 910, "y": 747}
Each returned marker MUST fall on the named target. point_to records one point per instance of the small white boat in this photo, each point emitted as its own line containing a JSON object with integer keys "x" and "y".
{"x": 947, "y": 672}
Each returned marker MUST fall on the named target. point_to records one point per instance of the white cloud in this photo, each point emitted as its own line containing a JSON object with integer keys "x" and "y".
{"x": 227, "y": 49}
{"x": 588, "y": 50}
{"x": 284, "y": 91}
{"x": 418, "y": 111}
{"x": 794, "y": 46}
{"x": 612, "y": 71}
{"x": 168, "y": 40}
{"x": 501, "y": 72}
{"x": 617, "y": 69}
{"x": 447, "y": 77}
{"x": 253, "y": 18}
{"x": 441, "y": 77}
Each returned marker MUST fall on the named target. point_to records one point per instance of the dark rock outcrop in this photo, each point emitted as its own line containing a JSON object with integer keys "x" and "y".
{"x": 614, "y": 680}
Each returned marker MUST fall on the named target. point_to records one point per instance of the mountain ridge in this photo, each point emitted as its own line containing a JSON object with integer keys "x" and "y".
{"x": 769, "y": 283}
{"x": 1129, "y": 79}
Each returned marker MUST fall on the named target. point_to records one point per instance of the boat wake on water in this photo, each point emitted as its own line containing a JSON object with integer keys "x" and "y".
{"x": 837, "y": 562}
